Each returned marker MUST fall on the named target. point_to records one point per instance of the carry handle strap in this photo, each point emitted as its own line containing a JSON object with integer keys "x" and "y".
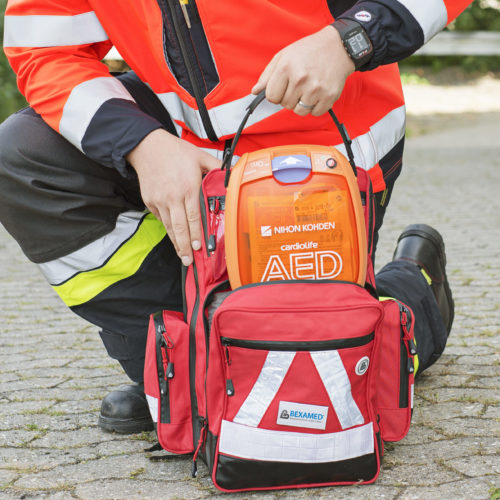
{"x": 229, "y": 152}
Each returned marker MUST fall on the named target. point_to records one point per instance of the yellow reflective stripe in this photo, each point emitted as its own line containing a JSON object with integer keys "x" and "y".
{"x": 123, "y": 264}
{"x": 426, "y": 276}
{"x": 415, "y": 361}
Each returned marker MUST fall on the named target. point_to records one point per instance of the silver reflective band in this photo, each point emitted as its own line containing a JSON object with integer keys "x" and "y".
{"x": 153, "y": 407}
{"x": 52, "y": 31}
{"x": 83, "y": 103}
{"x": 431, "y": 15}
{"x": 265, "y": 388}
{"x": 253, "y": 443}
{"x": 368, "y": 148}
{"x": 337, "y": 384}
{"x": 225, "y": 118}
{"x": 94, "y": 254}
{"x": 371, "y": 147}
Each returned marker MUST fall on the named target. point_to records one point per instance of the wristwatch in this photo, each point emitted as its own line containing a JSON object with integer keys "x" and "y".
{"x": 356, "y": 42}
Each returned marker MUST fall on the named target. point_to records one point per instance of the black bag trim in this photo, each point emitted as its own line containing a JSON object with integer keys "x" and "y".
{"x": 239, "y": 474}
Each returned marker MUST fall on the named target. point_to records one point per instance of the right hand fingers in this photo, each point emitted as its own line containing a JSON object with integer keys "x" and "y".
{"x": 180, "y": 232}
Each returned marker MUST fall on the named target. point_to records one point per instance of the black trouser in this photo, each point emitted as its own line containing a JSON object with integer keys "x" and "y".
{"x": 84, "y": 224}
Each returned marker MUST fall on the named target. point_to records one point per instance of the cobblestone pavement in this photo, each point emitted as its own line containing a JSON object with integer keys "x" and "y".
{"x": 54, "y": 370}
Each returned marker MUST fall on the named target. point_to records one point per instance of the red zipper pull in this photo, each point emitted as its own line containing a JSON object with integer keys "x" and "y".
{"x": 168, "y": 357}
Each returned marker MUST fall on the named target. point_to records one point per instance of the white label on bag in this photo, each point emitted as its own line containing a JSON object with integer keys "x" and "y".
{"x": 301, "y": 415}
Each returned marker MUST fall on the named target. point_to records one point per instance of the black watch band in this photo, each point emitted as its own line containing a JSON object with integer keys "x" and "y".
{"x": 356, "y": 42}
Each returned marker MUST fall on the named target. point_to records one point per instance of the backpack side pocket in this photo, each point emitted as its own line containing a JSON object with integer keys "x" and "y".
{"x": 395, "y": 358}
{"x": 166, "y": 380}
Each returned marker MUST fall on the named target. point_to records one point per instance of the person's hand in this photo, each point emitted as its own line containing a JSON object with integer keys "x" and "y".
{"x": 170, "y": 171}
{"x": 311, "y": 71}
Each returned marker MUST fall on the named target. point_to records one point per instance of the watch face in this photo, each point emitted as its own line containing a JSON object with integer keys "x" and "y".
{"x": 358, "y": 44}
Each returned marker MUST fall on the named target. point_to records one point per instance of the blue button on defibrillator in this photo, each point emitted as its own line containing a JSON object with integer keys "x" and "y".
{"x": 291, "y": 168}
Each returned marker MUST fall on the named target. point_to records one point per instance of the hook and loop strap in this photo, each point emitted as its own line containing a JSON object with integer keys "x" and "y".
{"x": 229, "y": 153}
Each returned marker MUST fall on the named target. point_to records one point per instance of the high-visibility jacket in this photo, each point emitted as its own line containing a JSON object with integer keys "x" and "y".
{"x": 201, "y": 58}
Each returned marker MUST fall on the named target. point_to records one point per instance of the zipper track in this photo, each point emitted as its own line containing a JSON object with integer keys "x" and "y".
{"x": 168, "y": 7}
{"x": 192, "y": 359}
{"x": 312, "y": 345}
{"x": 204, "y": 221}
{"x": 164, "y": 392}
{"x": 403, "y": 359}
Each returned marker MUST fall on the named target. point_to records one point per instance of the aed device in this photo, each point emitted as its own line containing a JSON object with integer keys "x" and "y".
{"x": 293, "y": 213}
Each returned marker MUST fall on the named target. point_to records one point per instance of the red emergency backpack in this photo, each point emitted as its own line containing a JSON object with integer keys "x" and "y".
{"x": 283, "y": 384}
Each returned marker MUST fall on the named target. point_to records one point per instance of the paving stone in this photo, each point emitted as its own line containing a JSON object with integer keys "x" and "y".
{"x": 16, "y": 438}
{"x": 469, "y": 427}
{"x": 70, "y": 439}
{"x": 22, "y": 408}
{"x": 29, "y": 459}
{"x": 420, "y": 434}
{"x": 129, "y": 489}
{"x": 439, "y": 451}
{"x": 428, "y": 474}
{"x": 6, "y": 477}
{"x": 478, "y": 466}
{"x": 469, "y": 489}
{"x": 427, "y": 413}
{"x": 104, "y": 468}
{"x": 493, "y": 411}
{"x": 466, "y": 394}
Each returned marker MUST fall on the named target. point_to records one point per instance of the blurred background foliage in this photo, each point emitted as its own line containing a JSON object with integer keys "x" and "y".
{"x": 481, "y": 15}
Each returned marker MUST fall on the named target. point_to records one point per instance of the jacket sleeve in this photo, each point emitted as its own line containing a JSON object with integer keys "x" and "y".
{"x": 55, "y": 48}
{"x": 398, "y": 28}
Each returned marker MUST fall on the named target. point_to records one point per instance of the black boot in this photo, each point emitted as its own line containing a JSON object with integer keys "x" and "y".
{"x": 125, "y": 410}
{"x": 424, "y": 246}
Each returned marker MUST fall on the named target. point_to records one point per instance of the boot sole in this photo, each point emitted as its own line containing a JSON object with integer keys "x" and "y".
{"x": 135, "y": 426}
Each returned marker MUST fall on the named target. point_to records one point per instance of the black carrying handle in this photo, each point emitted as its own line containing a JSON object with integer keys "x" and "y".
{"x": 229, "y": 153}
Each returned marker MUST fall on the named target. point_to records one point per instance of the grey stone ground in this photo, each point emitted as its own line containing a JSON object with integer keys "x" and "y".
{"x": 54, "y": 371}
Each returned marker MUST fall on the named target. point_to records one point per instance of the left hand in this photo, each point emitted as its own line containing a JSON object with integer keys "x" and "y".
{"x": 311, "y": 70}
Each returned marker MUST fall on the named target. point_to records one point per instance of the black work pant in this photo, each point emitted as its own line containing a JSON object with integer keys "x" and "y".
{"x": 112, "y": 264}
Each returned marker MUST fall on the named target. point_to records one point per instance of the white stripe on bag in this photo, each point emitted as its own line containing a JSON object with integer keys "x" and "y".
{"x": 83, "y": 103}
{"x": 262, "y": 444}
{"x": 265, "y": 388}
{"x": 337, "y": 384}
{"x": 52, "y": 31}
{"x": 153, "y": 407}
{"x": 431, "y": 15}
{"x": 94, "y": 254}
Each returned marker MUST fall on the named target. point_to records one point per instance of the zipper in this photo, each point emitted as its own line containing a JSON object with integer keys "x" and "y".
{"x": 317, "y": 345}
{"x": 210, "y": 223}
{"x": 216, "y": 205}
{"x": 168, "y": 8}
{"x": 270, "y": 345}
{"x": 204, "y": 222}
{"x": 201, "y": 442}
{"x": 407, "y": 350}
{"x": 192, "y": 352}
{"x": 162, "y": 366}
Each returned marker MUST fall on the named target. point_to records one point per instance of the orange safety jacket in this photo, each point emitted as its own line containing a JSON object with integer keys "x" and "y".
{"x": 201, "y": 58}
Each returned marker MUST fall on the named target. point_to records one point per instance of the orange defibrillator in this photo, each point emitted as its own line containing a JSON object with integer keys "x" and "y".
{"x": 294, "y": 213}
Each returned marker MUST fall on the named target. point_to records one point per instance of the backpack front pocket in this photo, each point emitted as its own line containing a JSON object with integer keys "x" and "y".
{"x": 288, "y": 401}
